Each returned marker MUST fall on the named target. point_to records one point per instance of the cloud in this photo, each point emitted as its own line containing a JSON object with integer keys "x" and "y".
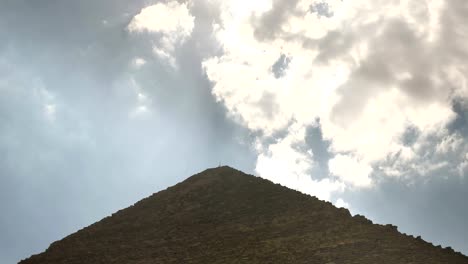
{"x": 340, "y": 203}
{"x": 368, "y": 70}
{"x": 282, "y": 162}
{"x": 138, "y": 63}
{"x": 92, "y": 132}
{"x": 170, "y": 18}
{"x": 301, "y": 92}
{"x": 350, "y": 170}
{"x": 269, "y": 23}
{"x": 171, "y": 21}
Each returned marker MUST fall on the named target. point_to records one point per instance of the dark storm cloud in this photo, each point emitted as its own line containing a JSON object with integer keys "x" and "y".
{"x": 70, "y": 150}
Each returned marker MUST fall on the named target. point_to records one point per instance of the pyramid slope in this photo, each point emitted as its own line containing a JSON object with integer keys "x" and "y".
{"x": 222, "y": 215}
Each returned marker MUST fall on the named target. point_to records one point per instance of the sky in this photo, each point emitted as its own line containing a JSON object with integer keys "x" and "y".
{"x": 360, "y": 103}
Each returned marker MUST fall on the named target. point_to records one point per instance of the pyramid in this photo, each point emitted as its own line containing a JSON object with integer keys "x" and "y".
{"x": 222, "y": 215}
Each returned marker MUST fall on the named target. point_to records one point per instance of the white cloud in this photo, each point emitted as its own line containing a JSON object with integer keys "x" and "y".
{"x": 369, "y": 72}
{"x": 171, "y": 22}
{"x": 351, "y": 170}
{"x": 138, "y": 63}
{"x": 169, "y": 18}
{"x": 340, "y": 203}
{"x": 165, "y": 54}
{"x": 283, "y": 163}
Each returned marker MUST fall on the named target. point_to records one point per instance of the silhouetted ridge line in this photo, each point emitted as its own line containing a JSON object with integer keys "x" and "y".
{"x": 222, "y": 215}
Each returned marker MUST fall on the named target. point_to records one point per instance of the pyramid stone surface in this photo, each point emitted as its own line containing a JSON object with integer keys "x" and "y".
{"x": 222, "y": 215}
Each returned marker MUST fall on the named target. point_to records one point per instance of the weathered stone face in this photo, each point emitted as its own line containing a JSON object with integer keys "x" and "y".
{"x": 225, "y": 216}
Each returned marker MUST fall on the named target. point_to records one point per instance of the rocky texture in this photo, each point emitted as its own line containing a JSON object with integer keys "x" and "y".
{"x": 225, "y": 216}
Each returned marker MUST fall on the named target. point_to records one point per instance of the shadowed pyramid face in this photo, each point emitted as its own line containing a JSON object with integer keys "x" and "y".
{"x": 222, "y": 215}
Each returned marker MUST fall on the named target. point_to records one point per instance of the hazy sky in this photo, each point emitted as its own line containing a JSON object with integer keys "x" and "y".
{"x": 361, "y": 103}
